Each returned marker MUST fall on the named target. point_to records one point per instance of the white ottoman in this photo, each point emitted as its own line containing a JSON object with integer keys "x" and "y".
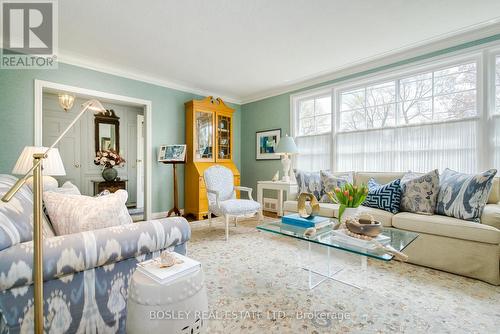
{"x": 175, "y": 307}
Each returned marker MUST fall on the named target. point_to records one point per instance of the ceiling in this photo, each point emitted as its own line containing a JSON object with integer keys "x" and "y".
{"x": 245, "y": 49}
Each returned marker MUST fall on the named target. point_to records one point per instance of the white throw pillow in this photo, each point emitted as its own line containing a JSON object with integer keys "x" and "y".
{"x": 67, "y": 188}
{"x": 76, "y": 213}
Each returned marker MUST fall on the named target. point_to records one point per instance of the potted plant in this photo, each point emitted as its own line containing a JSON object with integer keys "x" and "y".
{"x": 349, "y": 197}
{"x": 109, "y": 159}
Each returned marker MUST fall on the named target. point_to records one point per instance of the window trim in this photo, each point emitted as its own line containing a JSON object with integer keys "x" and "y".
{"x": 491, "y": 59}
{"x": 484, "y": 55}
{"x": 395, "y": 76}
{"x": 294, "y": 103}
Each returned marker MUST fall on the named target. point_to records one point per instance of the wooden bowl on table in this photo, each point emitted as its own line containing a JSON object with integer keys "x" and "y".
{"x": 364, "y": 225}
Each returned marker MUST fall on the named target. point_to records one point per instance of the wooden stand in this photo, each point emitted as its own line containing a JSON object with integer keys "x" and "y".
{"x": 175, "y": 209}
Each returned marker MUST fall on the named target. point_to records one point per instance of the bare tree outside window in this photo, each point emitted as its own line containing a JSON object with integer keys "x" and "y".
{"x": 315, "y": 116}
{"x": 446, "y": 94}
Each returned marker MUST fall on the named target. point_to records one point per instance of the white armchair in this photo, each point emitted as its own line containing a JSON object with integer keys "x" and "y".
{"x": 222, "y": 201}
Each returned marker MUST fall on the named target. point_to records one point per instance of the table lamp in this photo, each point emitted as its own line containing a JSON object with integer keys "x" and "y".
{"x": 50, "y": 160}
{"x": 286, "y": 147}
{"x": 52, "y": 165}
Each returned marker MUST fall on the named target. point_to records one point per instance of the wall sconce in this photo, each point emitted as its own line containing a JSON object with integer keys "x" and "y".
{"x": 66, "y": 101}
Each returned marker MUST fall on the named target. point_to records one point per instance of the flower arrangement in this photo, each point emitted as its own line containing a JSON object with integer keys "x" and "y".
{"x": 109, "y": 159}
{"x": 348, "y": 196}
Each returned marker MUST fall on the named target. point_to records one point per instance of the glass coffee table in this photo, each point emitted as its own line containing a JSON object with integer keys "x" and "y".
{"x": 326, "y": 237}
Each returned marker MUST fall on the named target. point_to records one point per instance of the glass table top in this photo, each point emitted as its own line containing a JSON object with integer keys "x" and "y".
{"x": 325, "y": 236}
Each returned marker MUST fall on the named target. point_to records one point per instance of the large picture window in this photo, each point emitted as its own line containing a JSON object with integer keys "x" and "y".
{"x": 497, "y": 84}
{"x": 420, "y": 118}
{"x": 314, "y": 126}
{"x": 434, "y": 96}
{"x": 496, "y": 115}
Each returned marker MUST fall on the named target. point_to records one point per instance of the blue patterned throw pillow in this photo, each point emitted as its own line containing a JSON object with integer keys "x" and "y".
{"x": 308, "y": 182}
{"x": 464, "y": 196}
{"x": 16, "y": 215}
{"x": 385, "y": 197}
{"x": 330, "y": 181}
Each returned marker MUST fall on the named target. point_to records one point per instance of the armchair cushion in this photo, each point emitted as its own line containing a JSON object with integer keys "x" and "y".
{"x": 239, "y": 207}
{"x": 69, "y": 254}
{"x": 220, "y": 179}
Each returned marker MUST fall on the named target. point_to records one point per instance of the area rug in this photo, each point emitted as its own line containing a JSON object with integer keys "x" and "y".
{"x": 255, "y": 285}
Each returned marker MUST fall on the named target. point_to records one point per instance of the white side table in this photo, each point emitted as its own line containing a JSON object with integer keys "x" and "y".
{"x": 172, "y": 308}
{"x": 281, "y": 187}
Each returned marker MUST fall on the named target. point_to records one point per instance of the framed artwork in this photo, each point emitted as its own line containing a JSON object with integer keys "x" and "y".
{"x": 267, "y": 141}
{"x": 172, "y": 153}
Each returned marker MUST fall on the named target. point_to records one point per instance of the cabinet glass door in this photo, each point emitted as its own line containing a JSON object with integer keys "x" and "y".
{"x": 223, "y": 137}
{"x": 204, "y": 122}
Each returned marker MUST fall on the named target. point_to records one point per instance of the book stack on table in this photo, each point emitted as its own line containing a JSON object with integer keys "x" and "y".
{"x": 152, "y": 269}
{"x": 296, "y": 220}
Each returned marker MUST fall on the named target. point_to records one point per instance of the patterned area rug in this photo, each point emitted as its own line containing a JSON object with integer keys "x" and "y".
{"x": 255, "y": 285}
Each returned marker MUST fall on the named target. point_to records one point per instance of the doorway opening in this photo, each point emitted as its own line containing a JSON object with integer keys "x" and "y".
{"x": 125, "y": 133}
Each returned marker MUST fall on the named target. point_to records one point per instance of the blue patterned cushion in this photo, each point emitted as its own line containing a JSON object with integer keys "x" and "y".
{"x": 309, "y": 182}
{"x": 419, "y": 192}
{"x": 385, "y": 197}
{"x": 464, "y": 196}
{"x": 330, "y": 181}
{"x": 16, "y": 215}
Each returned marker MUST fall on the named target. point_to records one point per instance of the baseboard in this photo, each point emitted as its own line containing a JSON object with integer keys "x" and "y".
{"x": 154, "y": 215}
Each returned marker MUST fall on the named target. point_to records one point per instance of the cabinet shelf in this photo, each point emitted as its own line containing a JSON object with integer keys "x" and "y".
{"x": 209, "y": 139}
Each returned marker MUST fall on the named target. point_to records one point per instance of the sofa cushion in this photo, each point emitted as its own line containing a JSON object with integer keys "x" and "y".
{"x": 16, "y": 216}
{"x": 381, "y": 216}
{"x": 494, "y": 197}
{"x": 491, "y": 215}
{"x": 386, "y": 197}
{"x": 309, "y": 182}
{"x": 380, "y": 177}
{"x": 325, "y": 209}
{"x": 464, "y": 196}
{"x": 447, "y": 227}
{"x": 419, "y": 192}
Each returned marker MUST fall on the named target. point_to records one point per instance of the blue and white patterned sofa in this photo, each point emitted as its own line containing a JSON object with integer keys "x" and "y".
{"x": 86, "y": 274}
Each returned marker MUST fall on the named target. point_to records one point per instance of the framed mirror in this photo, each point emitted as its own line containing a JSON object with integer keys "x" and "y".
{"x": 107, "y": 131}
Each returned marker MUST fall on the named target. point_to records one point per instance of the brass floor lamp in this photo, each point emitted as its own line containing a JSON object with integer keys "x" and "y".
{"x": 36, "y": 172}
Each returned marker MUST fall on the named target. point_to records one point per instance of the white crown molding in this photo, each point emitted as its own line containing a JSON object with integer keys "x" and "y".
{"x": 96, "y": 66}
{"x": 440, "y": 42}
{"x": 443, "y": 41}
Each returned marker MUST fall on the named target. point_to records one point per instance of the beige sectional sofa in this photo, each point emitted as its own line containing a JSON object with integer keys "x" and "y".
{"x": 445, "y": 243}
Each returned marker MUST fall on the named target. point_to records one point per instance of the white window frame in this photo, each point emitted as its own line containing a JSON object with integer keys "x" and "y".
{"x": 483, "y": 55}
{"x": 295, "y": 102}
{"x": 399, "y": 74}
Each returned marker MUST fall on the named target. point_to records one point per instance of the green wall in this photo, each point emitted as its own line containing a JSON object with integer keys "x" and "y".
{"x": 271, "y": 113}
{"x": 274, "y": 112}
{"x": 17, "y": 112}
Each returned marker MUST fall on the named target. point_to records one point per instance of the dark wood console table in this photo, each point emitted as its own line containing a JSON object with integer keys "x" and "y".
{"x": 112, "y": 186}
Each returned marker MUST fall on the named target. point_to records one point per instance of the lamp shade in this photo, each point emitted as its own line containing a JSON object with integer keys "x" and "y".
{"x": 286, "y": 145}
{"x": 52, "y": 165}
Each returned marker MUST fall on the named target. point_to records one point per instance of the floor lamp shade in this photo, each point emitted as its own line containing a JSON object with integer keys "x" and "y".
{"x": 52, "y": 165}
